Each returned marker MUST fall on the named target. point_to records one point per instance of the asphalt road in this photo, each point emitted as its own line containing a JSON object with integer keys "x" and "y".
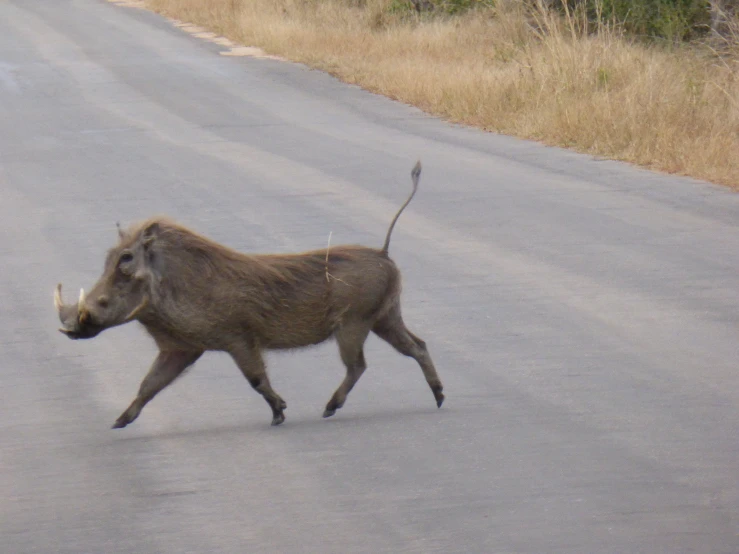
{"x": 582, "y": 314}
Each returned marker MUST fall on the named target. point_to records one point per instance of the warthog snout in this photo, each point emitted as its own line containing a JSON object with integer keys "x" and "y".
{"x": 193, "y": 295}
{"x": 85, "y": 320}
{"x": 76, "y": 320}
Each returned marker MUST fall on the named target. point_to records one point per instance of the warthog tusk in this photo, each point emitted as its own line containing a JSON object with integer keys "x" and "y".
{"x": 82, "y": 314}
{"x": 58, "y": 304}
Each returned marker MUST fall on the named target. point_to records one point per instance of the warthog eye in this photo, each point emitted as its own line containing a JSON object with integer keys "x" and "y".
{"x": 124, "y": 263}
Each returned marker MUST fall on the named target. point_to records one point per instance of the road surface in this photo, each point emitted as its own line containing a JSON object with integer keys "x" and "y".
{"x": 582, "y": 314}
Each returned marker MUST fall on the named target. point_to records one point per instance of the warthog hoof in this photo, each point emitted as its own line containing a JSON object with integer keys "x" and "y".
{"x": 328, "y": 413}
{"x": 278, "y": 419}
{"x": 438, "y": 395}
{"x": 120, "y": 423}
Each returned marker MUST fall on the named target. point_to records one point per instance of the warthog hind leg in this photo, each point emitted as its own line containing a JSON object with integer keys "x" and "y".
{"x": 392, "y": 330}
{"x": 351, "y": 342}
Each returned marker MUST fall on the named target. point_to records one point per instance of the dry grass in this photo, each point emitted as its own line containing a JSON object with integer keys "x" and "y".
{"x": 523, "y": 74}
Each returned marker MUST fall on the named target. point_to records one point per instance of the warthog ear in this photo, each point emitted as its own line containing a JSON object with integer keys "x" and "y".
{"x": 151, "y": 268}
{"x": 150, "y": 234}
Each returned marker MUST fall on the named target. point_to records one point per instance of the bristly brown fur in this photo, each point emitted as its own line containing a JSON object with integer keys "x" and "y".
{"x": 193, "y": 295}
{"x": 283, "y": 299}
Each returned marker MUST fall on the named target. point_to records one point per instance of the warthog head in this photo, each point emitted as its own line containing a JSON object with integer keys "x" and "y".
{"x": 120, "y": 295}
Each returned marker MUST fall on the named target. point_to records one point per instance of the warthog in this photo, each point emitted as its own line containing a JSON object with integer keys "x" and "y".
{"x": 192, "y": 295}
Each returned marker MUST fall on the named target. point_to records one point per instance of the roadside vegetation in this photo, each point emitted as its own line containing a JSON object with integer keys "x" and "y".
{"x": 653, "y": 82}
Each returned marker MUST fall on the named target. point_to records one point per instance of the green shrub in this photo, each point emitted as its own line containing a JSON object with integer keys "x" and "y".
{"x": 672, "y": 20}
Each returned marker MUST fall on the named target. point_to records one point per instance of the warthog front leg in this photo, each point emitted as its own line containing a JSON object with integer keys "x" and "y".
{"x": 250, "y": 362}
{"x": 166, "y": 368}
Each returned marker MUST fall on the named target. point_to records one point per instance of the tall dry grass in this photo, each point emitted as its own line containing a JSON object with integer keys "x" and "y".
{"x": 510, "y": 70}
